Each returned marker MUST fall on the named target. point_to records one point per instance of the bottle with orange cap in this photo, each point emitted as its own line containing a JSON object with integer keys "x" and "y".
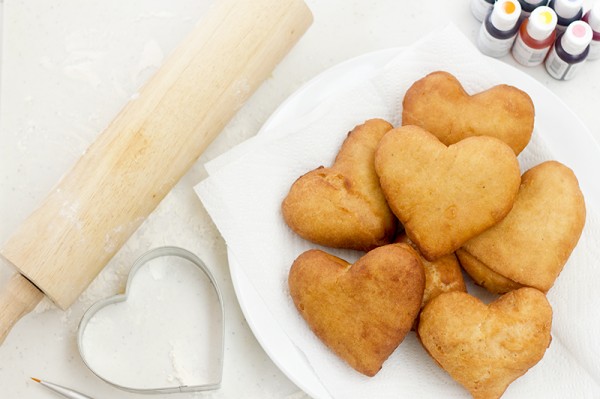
{"x": 499, "y": 29}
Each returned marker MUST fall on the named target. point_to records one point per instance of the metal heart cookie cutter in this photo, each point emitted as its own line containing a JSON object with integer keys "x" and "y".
{"x": 117, "y": 336}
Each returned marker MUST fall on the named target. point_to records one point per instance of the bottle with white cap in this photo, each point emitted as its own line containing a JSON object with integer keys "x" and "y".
{"x": 567, "y": 11}
{"x": 569, "y": 51}
{"x": 499, "y": 29}
{"x": 592, "y": 17}
{"x": 536, "y": 35}
{"x": 481, "y": 8}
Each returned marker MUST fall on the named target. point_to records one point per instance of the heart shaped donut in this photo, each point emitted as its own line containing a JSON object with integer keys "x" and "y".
{"x": 486, "y": 347}
{"x": 445, "y": 196}
{"x": 439, "y": 104}
{"x": 343, "y": 206}
{"x": 362, "y": 312}
{"x": 531, "y": 245}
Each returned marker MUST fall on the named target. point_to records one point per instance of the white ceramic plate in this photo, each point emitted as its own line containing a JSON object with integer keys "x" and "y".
{"x": 567, "y": 137}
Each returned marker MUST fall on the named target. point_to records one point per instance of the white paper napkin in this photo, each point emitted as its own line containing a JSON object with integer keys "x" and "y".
{"x": 243, "y": 194}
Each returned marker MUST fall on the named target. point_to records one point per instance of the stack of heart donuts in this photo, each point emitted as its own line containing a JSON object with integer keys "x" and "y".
{"x": 438, "y": 195}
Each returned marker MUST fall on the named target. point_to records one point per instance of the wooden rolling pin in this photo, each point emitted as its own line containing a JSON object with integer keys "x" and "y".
{"x": 145, "y": 150}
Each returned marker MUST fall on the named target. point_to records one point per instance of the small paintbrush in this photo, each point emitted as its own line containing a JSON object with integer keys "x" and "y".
{"x": 66, "y": 392}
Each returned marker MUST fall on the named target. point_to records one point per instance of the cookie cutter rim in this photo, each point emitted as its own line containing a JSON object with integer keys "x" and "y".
{"x": 139, "y": 262}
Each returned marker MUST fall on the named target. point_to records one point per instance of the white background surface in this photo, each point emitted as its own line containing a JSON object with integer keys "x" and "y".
{"x": 69, "y": 66}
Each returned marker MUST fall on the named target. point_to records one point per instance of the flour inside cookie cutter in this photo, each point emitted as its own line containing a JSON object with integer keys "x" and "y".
{"x": 161, "y": 335}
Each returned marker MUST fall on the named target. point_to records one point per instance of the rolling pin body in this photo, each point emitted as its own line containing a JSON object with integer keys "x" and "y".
{"x": 147, "y": 148}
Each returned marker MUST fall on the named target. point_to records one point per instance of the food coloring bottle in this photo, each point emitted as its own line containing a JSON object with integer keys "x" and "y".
{"x": 567, "y": 11}
{"x": 569, "y": 51}
{"x": 498, "y": 30}
{"x": 481, "y": 8}
{"x": 592, "y": 17}
{"x": 536, "y": 35}
{"x": 527, "y": 6}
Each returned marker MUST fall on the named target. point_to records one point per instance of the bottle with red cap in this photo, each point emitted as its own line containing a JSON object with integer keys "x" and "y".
{"x": 569, "y": 51}
{"x": 592, "y": 17}
{"x": 536, "y": 35}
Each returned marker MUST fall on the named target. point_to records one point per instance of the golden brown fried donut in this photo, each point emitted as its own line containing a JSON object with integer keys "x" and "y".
{"x": 439, "y": 104}
{"x": 486, "y": 347}
{"x": 444, "y": 196}
{"x": 362, "y": 312}
{"x": 531, "y": 245}
{"x": 343, "y": 206}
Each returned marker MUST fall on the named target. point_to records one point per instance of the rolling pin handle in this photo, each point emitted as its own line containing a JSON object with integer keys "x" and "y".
{"x": 18, "y": 298}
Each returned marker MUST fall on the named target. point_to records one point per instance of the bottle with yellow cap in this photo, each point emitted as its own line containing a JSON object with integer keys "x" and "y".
{"x": 536, "y": 35}
{"x": 499, "y": 29}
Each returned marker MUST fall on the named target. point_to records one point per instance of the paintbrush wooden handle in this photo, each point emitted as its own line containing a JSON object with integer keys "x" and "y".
{"x": 148, "y": 147}
{"x": 17, "y": 298}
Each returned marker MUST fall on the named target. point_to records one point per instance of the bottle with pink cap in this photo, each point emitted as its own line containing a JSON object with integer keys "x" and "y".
{"x": 536, "y": 36}
{"x": 569, "y": 51}
{"x": 592, "y": 17}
